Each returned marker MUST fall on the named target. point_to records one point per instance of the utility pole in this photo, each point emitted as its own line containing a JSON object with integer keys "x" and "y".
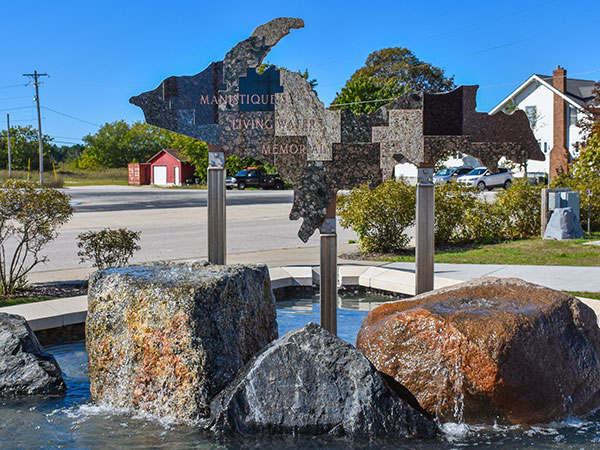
{"x": 8, "y": 136}
{"x": 36, "y": 83}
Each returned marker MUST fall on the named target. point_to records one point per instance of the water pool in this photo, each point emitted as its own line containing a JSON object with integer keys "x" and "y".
{"x": 74, "y": 422}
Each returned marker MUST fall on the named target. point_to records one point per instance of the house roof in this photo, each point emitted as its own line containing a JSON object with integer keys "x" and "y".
{"x": 581, "y": 91}
{"x": 177, "y": 154}
{"x": 578, "y": 92}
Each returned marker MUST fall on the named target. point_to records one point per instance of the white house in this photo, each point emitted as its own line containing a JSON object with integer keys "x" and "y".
{"x": 553, "y": 104}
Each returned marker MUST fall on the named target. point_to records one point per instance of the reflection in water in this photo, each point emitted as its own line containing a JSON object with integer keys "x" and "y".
{"x": 75, "y": 422}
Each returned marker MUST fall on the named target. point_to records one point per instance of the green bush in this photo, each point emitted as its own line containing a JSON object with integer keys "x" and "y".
{"x": 29, "y": 218}
{"x": 107, "y": 247}
{"x": 379, "y": 216}
{"x": 452, "y": 200}
{"x": 519, "y": 208}
{"x": 481, "y": 223}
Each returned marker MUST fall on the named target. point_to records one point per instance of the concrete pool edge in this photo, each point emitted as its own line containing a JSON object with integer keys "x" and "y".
{"x": 63, "y": 312}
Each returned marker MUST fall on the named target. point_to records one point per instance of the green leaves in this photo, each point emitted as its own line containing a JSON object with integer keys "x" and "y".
{"x": 24, "y": 148}
{"x": 389, "y": 73}
{"x": 379, "y": 216}
{"x": 107, "y": 247}
{"x": 29, "y": 218}
{"x": 366, "y": 90}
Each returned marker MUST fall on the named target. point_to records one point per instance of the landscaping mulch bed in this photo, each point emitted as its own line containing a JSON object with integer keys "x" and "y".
{"x": 50, "y": 290}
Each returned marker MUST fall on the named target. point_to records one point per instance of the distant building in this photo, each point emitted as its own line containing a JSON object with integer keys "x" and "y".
{"x": 553, "y": 104}
{"x": 169, "y": 168}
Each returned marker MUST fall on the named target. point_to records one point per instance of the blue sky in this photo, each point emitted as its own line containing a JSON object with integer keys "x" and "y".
{"x": 99, "y": 54}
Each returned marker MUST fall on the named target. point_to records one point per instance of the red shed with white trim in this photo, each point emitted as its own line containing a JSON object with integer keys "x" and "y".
{"x": 170, "y": 168}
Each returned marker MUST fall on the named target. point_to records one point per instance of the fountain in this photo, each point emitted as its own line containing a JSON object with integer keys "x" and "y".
{"x": 194, "y": 346}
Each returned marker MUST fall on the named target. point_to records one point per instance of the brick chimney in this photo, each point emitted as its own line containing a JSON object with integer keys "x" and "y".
{"x": 559, "y": 155}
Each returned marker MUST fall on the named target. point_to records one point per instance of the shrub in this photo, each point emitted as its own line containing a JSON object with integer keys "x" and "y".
{"x": 379, "y": 216}
{"x": 481, "y": 223}
{"x": 29, "y": 218}
{"x": 519, "y": 208}
{"x": 107, "y": 247}
{"x": 452, "y": 201}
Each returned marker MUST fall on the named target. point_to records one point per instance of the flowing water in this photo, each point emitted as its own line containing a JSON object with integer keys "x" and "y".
{"x": 75, "y": 422}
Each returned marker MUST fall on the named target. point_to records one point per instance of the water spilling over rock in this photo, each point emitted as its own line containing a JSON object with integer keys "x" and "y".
{"x": 25, "y": 369}
{"x": 165, "y": 338}
{"x": 310, "y": 381}
{"x": 490, "y": 350}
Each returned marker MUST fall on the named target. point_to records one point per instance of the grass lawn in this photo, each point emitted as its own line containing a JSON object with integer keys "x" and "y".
{"x": 593, "y": 295}
{"x": 22, "y": 300}
{"x": 93, "y": 177}
{"x": 70, "y": 177}
{"x": 523, "y": 252}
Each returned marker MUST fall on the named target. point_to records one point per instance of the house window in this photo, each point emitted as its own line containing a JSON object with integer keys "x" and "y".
{"x": 531, "y": 112}
{"x": 545, "y": 147}
{"x": 572, "y": 116}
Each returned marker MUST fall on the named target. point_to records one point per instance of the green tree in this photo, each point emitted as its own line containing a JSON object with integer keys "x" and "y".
{"x": 400, "y": 66}
{"x": 359, "y": 95}
{"x": 24, "y": 148}
{"x": 389, "y": 73}
{"x": 117, "y": 143}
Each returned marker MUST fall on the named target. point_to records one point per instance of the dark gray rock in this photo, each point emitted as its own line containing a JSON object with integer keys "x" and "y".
{"x": 563, "y": 224}
{"x": 312, "y": 382}
{"x": 166, "y": 338}
{"x": 25, "y": 369}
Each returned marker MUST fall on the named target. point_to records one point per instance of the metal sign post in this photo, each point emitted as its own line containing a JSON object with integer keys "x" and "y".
{"x": 216, "y": 207}
{"x": 424, "y": 248}
{"x": 329, "y": 270}
{"x": 8, "y": 138}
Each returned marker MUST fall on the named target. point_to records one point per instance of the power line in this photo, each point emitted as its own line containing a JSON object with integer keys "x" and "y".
{"x": 68, "y": 137}
{"x": 14, "y": 98}
{"x": 13, "y": 86}
{"x": 71, "y": 117}
{"x": 18, "y": 107}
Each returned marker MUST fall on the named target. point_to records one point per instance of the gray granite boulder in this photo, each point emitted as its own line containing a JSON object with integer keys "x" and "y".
{"x": 309, "y": 381}
{"x": 563, "y": 224}
{"x": 25, "y": 369}
{"x": 165, "y": 338}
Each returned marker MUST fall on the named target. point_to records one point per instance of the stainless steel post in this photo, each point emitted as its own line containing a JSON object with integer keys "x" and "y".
{"x": 544, "y": 219}
{"x": 329, "y": 271}
{"x": 217, "y": 248}
{"x": 424, "y": 248}
{"x": 8, "y": 139}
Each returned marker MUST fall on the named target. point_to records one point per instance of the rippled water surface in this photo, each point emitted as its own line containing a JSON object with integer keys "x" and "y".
{"x": 75, "y": 422}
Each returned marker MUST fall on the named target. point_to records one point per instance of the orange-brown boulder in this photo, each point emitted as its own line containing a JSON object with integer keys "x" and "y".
{"x": 490, "y": 350}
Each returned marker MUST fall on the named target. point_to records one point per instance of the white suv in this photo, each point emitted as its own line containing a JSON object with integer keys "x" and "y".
{"x": 483, "y": 179}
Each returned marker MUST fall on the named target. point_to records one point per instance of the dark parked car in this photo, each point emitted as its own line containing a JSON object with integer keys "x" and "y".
{"x": 257, "y": 178}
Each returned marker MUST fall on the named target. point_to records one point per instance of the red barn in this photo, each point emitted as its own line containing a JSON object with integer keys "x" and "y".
{"x": 170, "y": 168}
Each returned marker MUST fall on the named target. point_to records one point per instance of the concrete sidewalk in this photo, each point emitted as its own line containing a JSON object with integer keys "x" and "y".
{"x": 299, "y": 267}
{"x": 567, "y": 278}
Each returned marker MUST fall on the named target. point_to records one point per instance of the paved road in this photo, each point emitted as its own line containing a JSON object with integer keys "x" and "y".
{"x": 128, "y": 198}
{"x": 174, "y": 222}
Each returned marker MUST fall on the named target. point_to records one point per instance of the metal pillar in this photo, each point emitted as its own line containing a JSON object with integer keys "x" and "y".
{"x": 217, "y": 248}
{"x": 8, "y": 138}
{"x": 544, "y": 219}
{"x": 424, "y": 248}
{"x": 329, "y": 270}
